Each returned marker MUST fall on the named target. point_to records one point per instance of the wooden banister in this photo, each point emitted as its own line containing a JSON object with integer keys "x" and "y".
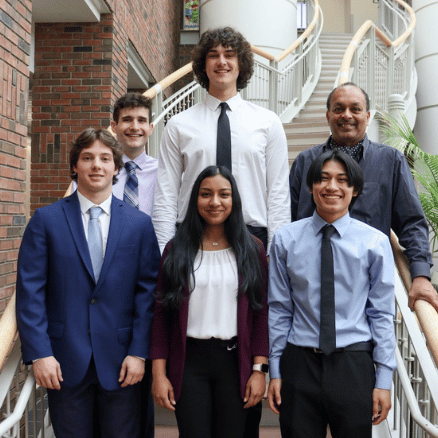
{"x": 427, "y": 316}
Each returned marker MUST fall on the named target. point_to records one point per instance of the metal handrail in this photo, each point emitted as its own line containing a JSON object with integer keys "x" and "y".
{"x": 8, "y": 330}
{"x": 416, "y": 383}
{"x": 351, "y": 55}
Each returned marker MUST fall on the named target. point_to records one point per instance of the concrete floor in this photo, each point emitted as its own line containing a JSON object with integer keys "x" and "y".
{"x": 172, "y": 432}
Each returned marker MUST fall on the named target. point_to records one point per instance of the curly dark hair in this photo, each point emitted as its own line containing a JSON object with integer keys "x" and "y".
{"x": 227, "y": 37}
{"x": 132, "y": 100}
{"x": 85, "y": 139}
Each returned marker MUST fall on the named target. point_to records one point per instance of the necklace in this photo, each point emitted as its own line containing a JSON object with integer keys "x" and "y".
{"x": 216, "y": 243}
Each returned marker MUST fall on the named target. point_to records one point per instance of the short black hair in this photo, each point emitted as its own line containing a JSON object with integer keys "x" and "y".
{"x": 227, "y": 37}
{"x": 85, "y": 139}
{"x": 132, "y": 100}
{"x": 352, "y": 169}
{"x": 349, "y": 84}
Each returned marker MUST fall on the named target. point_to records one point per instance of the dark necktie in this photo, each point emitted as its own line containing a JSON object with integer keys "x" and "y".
{"x": 130, "y": 192}
{"x": 223, "y": 145}
{"x": 95, "y": 241}
{"x": 327, "y": 335}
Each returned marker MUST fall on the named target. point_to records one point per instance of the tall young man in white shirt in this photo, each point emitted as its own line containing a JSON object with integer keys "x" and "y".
{"x": 223, "y": 64}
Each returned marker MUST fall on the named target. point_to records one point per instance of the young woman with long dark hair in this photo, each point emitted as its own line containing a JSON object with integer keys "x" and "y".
{"x": 209, "y": 335}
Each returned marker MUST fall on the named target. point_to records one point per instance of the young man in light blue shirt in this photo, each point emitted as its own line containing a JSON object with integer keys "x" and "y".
{"x": 346, "y": 386}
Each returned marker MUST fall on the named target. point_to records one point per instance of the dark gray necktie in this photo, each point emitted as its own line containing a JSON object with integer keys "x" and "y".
{"x": 223, "y": 145}
{"x": 327, "y": 335}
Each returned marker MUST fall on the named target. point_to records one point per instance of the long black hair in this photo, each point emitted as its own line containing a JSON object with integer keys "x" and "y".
{"x": 178, "y": 267}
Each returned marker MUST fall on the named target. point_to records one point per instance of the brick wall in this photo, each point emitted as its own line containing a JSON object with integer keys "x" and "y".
{"x": 81, "y": 69}
{"x": 154, "y": 31}
{"x": 15, "y": 29}
{"x": 72, "y": 89}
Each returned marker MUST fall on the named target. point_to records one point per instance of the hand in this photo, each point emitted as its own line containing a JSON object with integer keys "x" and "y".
{"x": 255, "y": 389}
{"x": 381, "y": 404}
{"x": 274, "y": 397}
{"x": 422, "y": 289}
{"x": 162, "y": 392}
{"x": 47, "y": 372}
{"x": 132, "y": 371}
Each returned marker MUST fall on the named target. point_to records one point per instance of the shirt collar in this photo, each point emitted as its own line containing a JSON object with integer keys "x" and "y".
{"x": 340, "y": 225}
{"x": 214, "y": 103}
{"x": 365, "y": 145}
{"x": 140, "y": 161}
{"x": 86, "y": 204}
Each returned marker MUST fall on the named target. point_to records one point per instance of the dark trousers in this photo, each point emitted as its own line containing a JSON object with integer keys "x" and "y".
{"x": 210, "y": 405}
{"x": 73, "y": 410}
{"x": 147, "y": 426}
{"x": 255, "y": 413}
{"x": 318, "y": 390}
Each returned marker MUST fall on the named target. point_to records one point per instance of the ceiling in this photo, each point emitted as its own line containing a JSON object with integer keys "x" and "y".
{"x": 62, "y": 11}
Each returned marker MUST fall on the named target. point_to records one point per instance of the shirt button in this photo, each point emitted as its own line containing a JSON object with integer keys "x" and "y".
{"x": 93, "y": 301}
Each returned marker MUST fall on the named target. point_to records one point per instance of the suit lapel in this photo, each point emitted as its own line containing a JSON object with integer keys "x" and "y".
{"x": 114, "y": 232}
{"x": 72, "y": 210}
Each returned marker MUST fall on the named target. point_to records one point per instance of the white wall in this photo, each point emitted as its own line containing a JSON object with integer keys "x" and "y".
{"x": 426, "y": 61}
{"x": 270, "y": 25}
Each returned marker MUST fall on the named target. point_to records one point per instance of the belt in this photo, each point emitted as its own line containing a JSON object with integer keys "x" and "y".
{"x": 229, "y": 344}
{"x": 359, "y": 346}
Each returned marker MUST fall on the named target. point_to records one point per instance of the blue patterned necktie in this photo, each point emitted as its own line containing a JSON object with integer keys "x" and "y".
{"x": 327, "y": 334}
{"x": 130, "y": 193}
{"x": 95, "y": 244}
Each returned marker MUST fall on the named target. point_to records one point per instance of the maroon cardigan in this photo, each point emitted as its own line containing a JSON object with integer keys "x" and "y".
{"x": 169, "y": 332}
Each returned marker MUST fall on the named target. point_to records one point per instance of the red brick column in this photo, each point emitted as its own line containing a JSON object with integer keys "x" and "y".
{"x": 74, "y": 85}
{"x": 15, "y": 30}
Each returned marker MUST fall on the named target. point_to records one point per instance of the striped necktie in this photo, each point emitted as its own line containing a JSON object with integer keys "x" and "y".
{"x": 130, "y": 192}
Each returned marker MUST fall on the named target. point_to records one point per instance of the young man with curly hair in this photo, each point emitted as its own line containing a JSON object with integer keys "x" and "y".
{"x": 223, "y": 64}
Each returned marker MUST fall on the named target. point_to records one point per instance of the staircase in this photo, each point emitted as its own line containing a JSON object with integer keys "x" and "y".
{"x": 310, "y": 127}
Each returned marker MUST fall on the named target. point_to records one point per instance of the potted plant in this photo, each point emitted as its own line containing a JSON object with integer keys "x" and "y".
{"x": 424, "y": 168}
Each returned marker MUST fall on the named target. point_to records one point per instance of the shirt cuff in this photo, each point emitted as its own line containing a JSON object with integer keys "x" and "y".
{"x": 420, "y": 269}
{"x": 383, "y": 377}
{"x": 274, "y": 368}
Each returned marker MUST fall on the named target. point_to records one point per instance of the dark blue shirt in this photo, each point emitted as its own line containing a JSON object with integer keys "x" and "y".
{"x": 389, "y": 199}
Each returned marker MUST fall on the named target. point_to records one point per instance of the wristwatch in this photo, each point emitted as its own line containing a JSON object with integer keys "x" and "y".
{"x": 262, "y": 367}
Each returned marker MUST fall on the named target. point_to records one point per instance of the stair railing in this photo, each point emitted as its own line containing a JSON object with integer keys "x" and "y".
{"x": 415, "y": 396}
{"x": 383, "y": 65}
{"x": 284, "y": 91}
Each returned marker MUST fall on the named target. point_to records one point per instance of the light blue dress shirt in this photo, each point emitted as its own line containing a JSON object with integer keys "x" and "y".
{"x": 364, "y": 290}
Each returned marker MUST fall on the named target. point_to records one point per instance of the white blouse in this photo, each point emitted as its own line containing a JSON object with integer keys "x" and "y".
{"x": 213, "y": 302}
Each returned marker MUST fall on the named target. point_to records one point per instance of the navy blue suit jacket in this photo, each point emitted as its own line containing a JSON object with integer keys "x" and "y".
{"x": 61, "y": 311}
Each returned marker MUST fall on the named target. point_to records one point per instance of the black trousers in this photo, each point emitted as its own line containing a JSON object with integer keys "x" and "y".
{"x": 74, "y": 411}
{"x": 318, "y": 390}
{"x": 210, "y": 405}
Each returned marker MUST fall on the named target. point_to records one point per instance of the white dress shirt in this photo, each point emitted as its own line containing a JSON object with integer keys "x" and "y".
{"x": 104, "y": 218}
{"x": 259, "y": 162}
{"x": 213, "y": 301}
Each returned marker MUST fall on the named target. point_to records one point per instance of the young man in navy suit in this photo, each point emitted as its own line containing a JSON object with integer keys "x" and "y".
{"x": 84, "y": 312}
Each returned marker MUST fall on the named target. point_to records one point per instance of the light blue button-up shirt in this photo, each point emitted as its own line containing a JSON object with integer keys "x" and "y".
{"x": 364, "y": 290}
